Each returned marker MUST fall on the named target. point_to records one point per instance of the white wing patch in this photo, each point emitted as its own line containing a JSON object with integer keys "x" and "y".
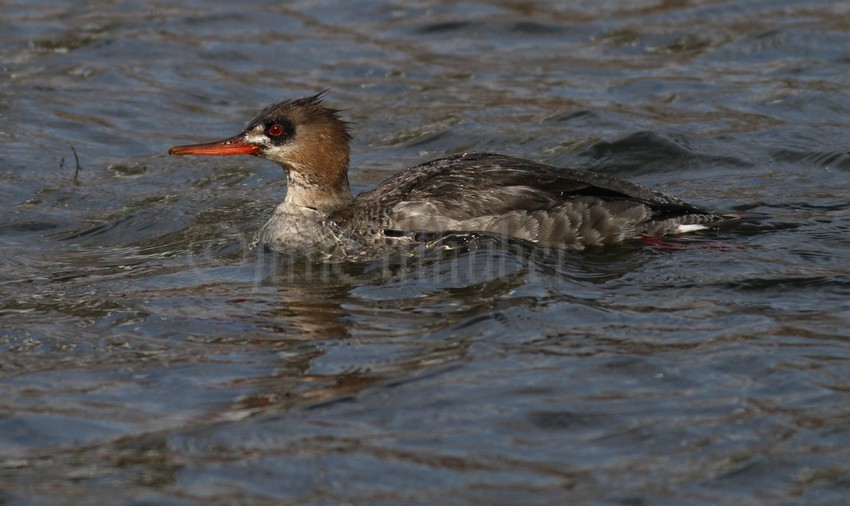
{"x": 681, "y": 229}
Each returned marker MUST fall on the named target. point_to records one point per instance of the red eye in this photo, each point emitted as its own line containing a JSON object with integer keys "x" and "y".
{"x": 275, "y": 130}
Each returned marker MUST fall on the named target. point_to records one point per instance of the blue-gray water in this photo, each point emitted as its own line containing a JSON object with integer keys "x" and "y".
{"x": 151, "y": 354}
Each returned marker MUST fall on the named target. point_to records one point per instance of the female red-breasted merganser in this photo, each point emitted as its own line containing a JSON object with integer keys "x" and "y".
{"x": 473, "y": 192}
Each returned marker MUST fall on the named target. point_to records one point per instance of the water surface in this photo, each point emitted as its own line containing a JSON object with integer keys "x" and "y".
{"x": 151, "y": 353}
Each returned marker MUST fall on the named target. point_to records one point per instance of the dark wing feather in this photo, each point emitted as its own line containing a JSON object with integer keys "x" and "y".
{"x": 475, "y": 184}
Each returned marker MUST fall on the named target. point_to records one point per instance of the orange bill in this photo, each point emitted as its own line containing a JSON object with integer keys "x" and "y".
{"x": 232, "y": 146}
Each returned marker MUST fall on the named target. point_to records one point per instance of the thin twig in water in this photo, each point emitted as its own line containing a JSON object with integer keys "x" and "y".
{"x": 77, "y": 160}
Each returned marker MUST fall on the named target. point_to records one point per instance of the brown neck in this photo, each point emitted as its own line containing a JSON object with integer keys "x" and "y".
{"x": 326, "y": 192}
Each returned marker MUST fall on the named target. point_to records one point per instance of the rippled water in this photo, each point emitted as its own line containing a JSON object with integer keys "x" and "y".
{"x": 150, "y": 353}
